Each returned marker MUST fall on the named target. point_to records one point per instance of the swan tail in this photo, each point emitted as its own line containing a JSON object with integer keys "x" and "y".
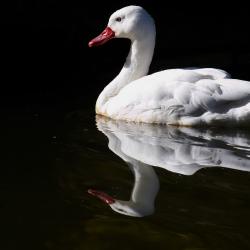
{"x": 235, "y": 117}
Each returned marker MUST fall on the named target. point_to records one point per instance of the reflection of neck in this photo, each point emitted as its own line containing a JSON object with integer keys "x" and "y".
{"x": 135, "y": 67}
{"x": 145, "y": 188}
{"x": 146, "y": 185}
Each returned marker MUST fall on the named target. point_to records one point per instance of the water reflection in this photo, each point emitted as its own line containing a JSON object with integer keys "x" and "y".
{"x": 179, "y": 150}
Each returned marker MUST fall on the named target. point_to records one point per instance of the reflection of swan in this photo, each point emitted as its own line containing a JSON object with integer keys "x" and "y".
{"x": 177, "y": 96}
{"x": 180, "y": 150}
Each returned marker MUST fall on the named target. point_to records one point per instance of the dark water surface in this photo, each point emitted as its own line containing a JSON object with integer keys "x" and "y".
{"x": 195, "y": 197}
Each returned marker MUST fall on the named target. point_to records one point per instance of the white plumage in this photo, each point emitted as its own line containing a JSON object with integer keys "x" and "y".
{"x": 187, "y": 97}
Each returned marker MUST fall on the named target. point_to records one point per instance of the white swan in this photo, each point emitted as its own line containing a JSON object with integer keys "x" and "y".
{"x": 179, "y": 150}
{"x": 189, "y": 97}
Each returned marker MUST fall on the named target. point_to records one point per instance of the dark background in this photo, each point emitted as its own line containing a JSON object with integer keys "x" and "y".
{"x": 48, "y": 74}
{"x": 46, "y": 61}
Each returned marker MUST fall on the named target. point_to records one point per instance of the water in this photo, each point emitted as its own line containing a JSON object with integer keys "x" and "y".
{"x": 190, "y": 188}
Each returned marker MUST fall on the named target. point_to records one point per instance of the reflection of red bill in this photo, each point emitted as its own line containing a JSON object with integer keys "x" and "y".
{"x": 106, "y": 35}
{"x": 102, "y": 196}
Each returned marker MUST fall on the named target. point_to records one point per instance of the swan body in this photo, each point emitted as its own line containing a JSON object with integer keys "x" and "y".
{"x": 187, "y": 97}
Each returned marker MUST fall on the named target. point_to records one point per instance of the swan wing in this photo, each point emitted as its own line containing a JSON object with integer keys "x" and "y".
{"x": 219, "y": 96}
{"x": 160, "y": 100}
{"x": 212, "y": 73}
{"x": 191, "y": 75}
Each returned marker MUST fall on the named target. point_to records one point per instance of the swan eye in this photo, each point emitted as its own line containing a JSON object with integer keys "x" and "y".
{"x": 118, "y": 19}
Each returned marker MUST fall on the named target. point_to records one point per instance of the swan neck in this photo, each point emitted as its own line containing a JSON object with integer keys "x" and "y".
{"x": 136, "y": 66}
{"x": 139, "y": 59}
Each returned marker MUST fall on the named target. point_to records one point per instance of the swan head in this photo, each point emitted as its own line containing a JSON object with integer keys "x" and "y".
{"x": 132, "y": 22}
{"x": 128, "y": 208}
